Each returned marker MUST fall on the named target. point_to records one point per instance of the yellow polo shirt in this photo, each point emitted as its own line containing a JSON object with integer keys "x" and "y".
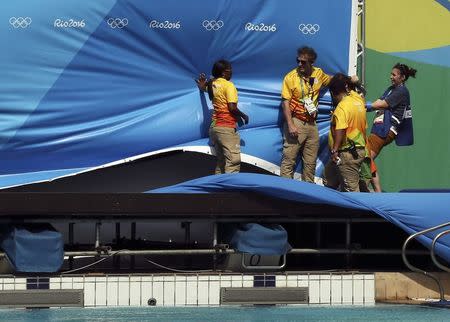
{"x": 350, "y": 115}
{"x": 224, "y": 92}
{"x": 296, "y": 88}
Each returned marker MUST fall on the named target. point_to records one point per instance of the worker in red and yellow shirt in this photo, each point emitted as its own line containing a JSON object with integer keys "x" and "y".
{"x": 347, "y": 136}
{"x": 300, "y": 94}
{"x": 223, "y": 134}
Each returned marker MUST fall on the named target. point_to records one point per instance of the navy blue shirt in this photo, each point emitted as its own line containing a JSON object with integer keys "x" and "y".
{"x": 397, "y": 118}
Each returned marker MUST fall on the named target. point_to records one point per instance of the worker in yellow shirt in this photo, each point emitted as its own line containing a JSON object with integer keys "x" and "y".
{"x": 300, "y": 94}
{"x": 222, "y": 132}
{"x": 347, "y": 136}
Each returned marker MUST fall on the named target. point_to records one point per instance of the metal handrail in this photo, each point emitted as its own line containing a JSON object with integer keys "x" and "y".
{"x": 433, "y": 246}
{"x": 418, "y": 270}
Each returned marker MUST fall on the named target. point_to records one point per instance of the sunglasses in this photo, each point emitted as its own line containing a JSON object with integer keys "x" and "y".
{"x": 303, "y": 62}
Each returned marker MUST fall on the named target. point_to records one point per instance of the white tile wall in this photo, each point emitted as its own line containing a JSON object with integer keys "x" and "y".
{"x": 336, "y": 289}
{"x": 291, "y": 281}
{"x": 20, "y": 283}
{"x": 247, "y": 281}
{"x": 100, "y": 291}
{"x": 135, "y": 290}
{"x": 9, "y": 284}
{"x": 181, "y": 290}
{"x": 158, "y": 290}
{"x": 358, "y": 289}
{"x": 89, "y": 291}
{"x": 281, "y": 281}
{"x": 146, "y": 289}
{"x": 325, "y": 289}
{"x": 225, "y": 281}
{"x": 314, "y": 289}
{"x": 214, "y": 292}
{"x": 193, "y": 290}
{"x": 123, "y": 291}
{"x": 347, "y": 289}
{"x": 112, "y": 291}
{"x": 169, "y": 290}
{"x": 369, "y": 289}
{"x": 203, "y": 290}
{"x": 66, "y": 282}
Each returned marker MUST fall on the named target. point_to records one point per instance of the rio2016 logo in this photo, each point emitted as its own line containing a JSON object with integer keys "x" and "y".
{"x": 261, "y": 27}
{"x": 164, "y": 25}
{"x": 71, "y": 23}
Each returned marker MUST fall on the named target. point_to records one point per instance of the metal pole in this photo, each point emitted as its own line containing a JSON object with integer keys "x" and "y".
{"x": 433, "y": 255}
{"x": 214, "y": 245}
{"x": 318, "y": 238}
{"x": 71, "y": 242}
{"x": 133, "y": 239}
{"x": 231, "y": 251}
{"x": 187, "y": 241}
{"x": 415, "y": 269}
{"x": 187, "y": 232}
{"x": 97, "y": 235}
{"x": 348, "y": 239}
{"x": 118, "y": 242}
{"x": 363, "y": 41}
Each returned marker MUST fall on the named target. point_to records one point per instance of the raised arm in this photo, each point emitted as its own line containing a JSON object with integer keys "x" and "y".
{"x": 202, "y": 82}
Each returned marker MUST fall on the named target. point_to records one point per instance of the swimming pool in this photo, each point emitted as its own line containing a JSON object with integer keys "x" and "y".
{"x": 236, "y": 313}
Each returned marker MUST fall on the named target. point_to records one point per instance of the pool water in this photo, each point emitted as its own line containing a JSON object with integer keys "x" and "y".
{"x": 241, "y": 314}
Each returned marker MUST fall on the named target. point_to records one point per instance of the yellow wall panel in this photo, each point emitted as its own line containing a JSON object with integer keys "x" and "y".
{"x": 406, "y": 25}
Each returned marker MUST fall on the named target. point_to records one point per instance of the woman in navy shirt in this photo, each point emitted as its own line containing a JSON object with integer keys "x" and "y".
{"x": 394, "y": 117}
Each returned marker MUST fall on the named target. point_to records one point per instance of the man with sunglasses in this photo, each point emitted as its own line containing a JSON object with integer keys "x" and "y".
{"x": 300, "y": 94}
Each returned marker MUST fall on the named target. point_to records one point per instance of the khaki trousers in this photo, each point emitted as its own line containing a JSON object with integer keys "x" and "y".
{"x": 227, "y": 144}
{"x": 345, "y": 175}
{"x": 306, "y": 144}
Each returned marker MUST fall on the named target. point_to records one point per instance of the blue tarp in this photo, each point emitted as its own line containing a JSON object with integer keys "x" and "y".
{"x": 87, "y": 83}
{"x": 260, "y": 239}
{"x": 412, "y": 212}
{"x": 32, "y": 248}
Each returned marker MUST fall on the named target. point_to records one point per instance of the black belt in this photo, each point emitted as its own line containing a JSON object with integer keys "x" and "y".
{"x": 348, "y": 149}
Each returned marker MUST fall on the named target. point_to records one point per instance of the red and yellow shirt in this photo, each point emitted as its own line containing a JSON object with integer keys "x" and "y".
{"x": 224, "y": 92}
{"x": 350, "y": 115}
{"x": 296, "y": 88}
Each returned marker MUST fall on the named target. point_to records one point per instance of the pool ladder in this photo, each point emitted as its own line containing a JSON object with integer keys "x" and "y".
{"x": 433, "y": 256}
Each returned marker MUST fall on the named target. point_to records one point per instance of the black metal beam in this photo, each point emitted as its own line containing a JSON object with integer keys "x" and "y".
{"x": 152, "y": 206}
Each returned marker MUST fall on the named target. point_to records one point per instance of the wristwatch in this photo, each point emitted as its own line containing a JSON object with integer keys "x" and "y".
{"x": 333, "y": 151}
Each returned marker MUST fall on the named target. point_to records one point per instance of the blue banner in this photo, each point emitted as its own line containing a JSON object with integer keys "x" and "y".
{"x": 86, "y": 83}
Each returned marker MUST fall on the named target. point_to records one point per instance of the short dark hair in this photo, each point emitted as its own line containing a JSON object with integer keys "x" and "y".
{"x": 405, "y": 70}
{"x": 340, "y": 83}
{"x": 310, "y": 52}
{"x": 219, "y": 67}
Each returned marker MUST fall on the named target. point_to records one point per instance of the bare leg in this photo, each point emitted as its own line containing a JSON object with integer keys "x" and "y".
{"x": 375, "y": 181}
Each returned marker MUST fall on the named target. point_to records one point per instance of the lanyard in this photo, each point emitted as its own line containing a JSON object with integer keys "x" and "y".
{"x": 310, "y": 91}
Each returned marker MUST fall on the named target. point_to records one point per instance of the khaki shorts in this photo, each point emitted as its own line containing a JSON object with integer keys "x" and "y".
{"x": 376, "y": 143}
